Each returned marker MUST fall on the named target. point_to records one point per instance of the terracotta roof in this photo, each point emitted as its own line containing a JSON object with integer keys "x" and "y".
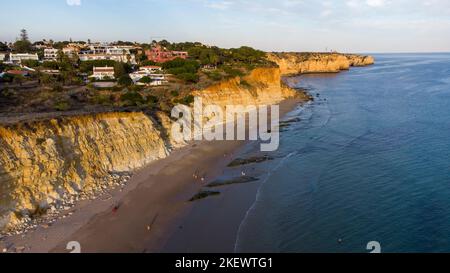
{"x": 152, "y": 67}
{"x": 16, "y": 72}
{"x": 104, "y": 69}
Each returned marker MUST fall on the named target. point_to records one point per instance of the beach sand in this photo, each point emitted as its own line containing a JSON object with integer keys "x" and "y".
{"x": 152, "y": 213}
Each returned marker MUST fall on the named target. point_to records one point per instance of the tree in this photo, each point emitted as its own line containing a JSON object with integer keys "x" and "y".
{"x": 24, "y": 35}
{"x": 30, "y": 63}
{"x": 23, "y": 44}
{"x": 119, "y": 70}
{"x": 132, "y": 99}
{"x": 3, "y": 47}
{"x": 125, "y": 80}
{"x": 19, "y": 79}
{"x": 46, "y": 79}
{"x": 145, "y": 79}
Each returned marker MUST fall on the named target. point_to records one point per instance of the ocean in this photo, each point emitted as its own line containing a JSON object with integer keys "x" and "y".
{"x": 368, "y": 161}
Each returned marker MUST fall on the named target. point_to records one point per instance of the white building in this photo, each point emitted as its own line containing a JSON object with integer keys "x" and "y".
{"x": 156, "y": 79}
{"x": 98, "y": 48}
{"x": 18, "y": 58}
{"x": 2, "y": 56}
{"x": 118, "y": 58}
{"x": 117, "y": 54}
{"x": 50, "y": 54}
{"x": 152, "y": 69}
{"x": 136, "y": 76}
{"x": 102, "y": 73}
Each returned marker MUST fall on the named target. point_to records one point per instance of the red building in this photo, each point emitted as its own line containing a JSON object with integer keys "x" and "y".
{"x": 160, "y": 54}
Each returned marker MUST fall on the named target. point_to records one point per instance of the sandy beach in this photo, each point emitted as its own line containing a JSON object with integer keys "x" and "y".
{"x": 153, "y": 213}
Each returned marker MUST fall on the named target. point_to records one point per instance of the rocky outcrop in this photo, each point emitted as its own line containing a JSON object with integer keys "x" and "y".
{"x": 43, "y": 162}
{"x": 359, "y": 60}
{"x": 301, "y": 63}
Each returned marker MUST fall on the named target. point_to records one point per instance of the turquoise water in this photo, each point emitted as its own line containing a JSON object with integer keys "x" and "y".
{"x": 370, "y": 161}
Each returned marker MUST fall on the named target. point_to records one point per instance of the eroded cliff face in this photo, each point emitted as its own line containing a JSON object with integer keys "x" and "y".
{"x": 360, "y": 60}
{"x": 300, "y": 63}
{"x": 262, "y": 86}
{"x": 43, "y": 162}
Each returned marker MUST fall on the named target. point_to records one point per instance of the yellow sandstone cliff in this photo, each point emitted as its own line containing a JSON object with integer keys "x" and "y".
{"x": 43, "y": 162}
{"x": 262, "y": 86}
{"x": 300, "y": 63}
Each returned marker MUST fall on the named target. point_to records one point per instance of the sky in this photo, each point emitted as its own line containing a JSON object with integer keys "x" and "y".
{"x": 271, "y": 25}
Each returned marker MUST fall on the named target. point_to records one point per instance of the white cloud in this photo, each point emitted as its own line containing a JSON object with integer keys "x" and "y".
{"x": 376, "y": 3}
{"x": 73, "y": 2}
{"x": 326, "y": 13}
{"x": 221, "y": 5}
{"x": 353, "y": 3}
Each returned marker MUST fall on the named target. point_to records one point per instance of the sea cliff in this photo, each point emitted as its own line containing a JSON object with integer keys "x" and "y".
{"x": 43, "y": 163}
{"x": 300, "y": 63}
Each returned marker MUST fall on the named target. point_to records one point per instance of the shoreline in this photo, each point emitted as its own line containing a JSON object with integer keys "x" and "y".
{"x": 213, "y": 224}
{"x": 142, "y": 216}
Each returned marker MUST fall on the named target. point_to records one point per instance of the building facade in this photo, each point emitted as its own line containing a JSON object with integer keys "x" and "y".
{"x": 107, "y": 53}
{"x": 18, "y": 58}
{"x": 160, "y": 54}
{"x": 156, "y": 79}
{"x": 103, "y": 73}
{"x": 50, "y": 54}
{"x": 152, "y": 69}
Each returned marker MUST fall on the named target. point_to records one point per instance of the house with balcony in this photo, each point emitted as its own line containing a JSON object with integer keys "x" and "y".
{"x": 102, "y": 73}
{"x": 107, "y": 53}
{"x": 157, "y": 79}
{"x": 18, "y": 58}
{"x": 151, "y": 69}
{"x": 50, "y": 54}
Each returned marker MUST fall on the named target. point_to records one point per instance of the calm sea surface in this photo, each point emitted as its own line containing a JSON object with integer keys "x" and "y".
{"x": 370, "y": 161}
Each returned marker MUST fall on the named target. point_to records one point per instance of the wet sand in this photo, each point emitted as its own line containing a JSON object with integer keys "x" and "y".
{"x": 152, "y": 213}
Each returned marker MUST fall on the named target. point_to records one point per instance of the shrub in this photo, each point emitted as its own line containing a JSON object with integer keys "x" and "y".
{"x": 215, "y": 76}
{"x": 50, "y": 65}
{"x": 189, "y": 77}
{"x": 232, "y": 72}
{"x": 145, "y": 79}
{"x": 58, "y": 88}
{"x": 188, "y": 100}
{"x": 87, "y": 66}
{"x": 62, "y": 106}
{"x": 152, "y": 99}
{"x": 30, "y": 63}
{"x": 180, "y": 66}
{"x": 102, "y": 99}
{"x": 148, "y": 63}
{"x": 125, "y": 80}
{"x": 132, "y": 99}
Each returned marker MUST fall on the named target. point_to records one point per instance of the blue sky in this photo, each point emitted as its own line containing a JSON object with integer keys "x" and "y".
{"x": 278, "y": 25}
